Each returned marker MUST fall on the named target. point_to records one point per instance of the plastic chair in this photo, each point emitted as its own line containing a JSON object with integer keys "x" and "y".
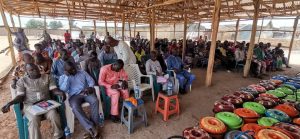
{"x": 176, "y": 82}
{"x": 70, "y": 115}
{"x": 22, "y": 121}
{"x": 106, "y": 102}
{"x": 130, "y": 120}
{"x": 135, "y": 74}
{"x": 167, "y": 108}
{"x": 172, "y": 73}
{"x": 238, "y": 66}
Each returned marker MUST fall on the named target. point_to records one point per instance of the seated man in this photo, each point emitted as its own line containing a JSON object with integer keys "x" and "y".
{"x": 107, "y": 56}
{"x": 153, "y": 68}
{"x": 43, "y": 63}
{"x": 19, "y": 70}
{"x": 279, "y": 52}
{"x": 40, "y": 49}
{"x": 92, "y": 66}
{"x": 79, "y": 86}
{"x": 139, "y": 53}
{"x": 32, "y": 89}
{"x": 185, "y": 78}
{"x": 240, "y": 55}
{"x": 259, "y": 59}
{"x": 57, "y": 68}
{"x": 79, "y": 56}
{"x": 113, "y": 77}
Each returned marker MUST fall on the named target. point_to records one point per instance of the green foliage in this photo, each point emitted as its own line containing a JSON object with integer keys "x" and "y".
{"x": 55, "y": 24}
{"x": 32, "y": 23}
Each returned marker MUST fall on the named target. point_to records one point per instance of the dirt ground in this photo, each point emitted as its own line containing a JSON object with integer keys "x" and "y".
{"x": 197, "y": 103}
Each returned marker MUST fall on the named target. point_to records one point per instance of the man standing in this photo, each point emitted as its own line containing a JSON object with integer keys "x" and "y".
{"x": 82, "y": 37}
{"x": 79, "y": 86}
{"x": 93, "y": 36}
{"x": 107, "y": 56}
{"x": 185, "y": 78}
{"x": 46, "y": 37}
{"x": 21, "y": 43}
{"x": 122, "y": 49}
{"x": 32, "y": 89}
{"x": 113, "y": 77}
{"x": 67, "y": 36}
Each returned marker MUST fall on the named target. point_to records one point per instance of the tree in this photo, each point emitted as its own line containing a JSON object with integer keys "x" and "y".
{"x": 32, "y": 23}
{"x": 72, "y": 23}
{"x": 55, "y": 24}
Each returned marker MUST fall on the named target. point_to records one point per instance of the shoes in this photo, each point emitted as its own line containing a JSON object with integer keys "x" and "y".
{"x": 115, "y": 119}
{"x": 259, "y": 77}
{"x": 288, "y": 67}
{"x": 280, "y": 69}
{"x": 182, "y": 91}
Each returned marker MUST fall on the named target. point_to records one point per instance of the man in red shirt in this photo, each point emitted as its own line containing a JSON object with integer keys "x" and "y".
{"x": 67, "y": 36}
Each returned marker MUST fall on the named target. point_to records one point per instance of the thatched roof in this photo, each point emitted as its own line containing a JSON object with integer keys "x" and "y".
{"x": 140, "y": 10}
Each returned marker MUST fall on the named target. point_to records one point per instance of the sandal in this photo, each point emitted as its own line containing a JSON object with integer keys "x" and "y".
{"x": 87, "y": 136}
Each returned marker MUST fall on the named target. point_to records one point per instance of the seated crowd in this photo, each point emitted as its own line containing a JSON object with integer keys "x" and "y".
{"x": 229, "y": 55}
{"x": 72, "y": 69}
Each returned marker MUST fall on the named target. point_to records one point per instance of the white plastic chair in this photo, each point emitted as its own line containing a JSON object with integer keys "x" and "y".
{"x": 176, "y": 80}
{"x": 135, "y": 74}
{"x": 70, "y": 115}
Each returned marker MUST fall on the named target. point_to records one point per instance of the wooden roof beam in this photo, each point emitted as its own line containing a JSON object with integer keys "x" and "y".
{"x": 238, "y": 4}
{"x": 165, "y": 3}
{"x": 37, "y": 7}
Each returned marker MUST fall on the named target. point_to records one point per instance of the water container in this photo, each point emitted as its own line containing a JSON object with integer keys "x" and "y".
{"x": 137, "y": 92}
{"x": 67, "y": 131}
{"x": 170, "y": 87}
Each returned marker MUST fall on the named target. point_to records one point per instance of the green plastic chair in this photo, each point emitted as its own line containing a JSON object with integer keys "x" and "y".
{"x": 106, "y": 102}
{"x": 22, "y": 121}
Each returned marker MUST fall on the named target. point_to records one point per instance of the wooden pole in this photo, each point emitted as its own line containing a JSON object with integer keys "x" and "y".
{"x": 123, "y": 27}
{"x": 252, "y": 39}
{"x": 134, "y": 29}
{"x": 184, "y": 36}
{"x": 20, "y": 24}
{"x": 293, "y": 36}
{"x": 174, "y": 35}
{"x": 155, "y": 32}
{"x": 12, "y": 22}
{"x": 215, "y": 27}
{"x": 115, "y": 28}
{"x": 262, "y": 24}
{"x": 236, "y": 29}
{"x": 152, "y": 28}
{"x": 13, "y": 58}
{"x": 106, "y": 30}
{"x": 199, "y": 26}
{"x": 70, "y": 26}
{"x": 95, "y": 28}
{"x": 129, "y": 30}
{"x": 45, "y": 23}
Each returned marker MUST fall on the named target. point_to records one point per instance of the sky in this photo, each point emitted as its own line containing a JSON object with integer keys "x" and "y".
{"x": 79, "y": 23}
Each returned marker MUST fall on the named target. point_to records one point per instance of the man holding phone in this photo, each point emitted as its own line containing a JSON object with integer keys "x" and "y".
{"x": 114, "y": 78}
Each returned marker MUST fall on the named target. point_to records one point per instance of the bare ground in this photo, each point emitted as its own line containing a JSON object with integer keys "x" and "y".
{"x": 193, "y": 105}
